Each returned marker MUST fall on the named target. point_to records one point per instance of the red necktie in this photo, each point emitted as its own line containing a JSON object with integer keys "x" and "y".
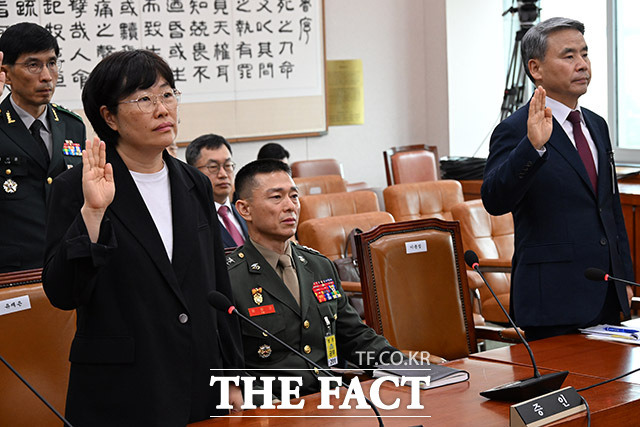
{"x": 583, "y": 149}
{"x": 228, "y": 224}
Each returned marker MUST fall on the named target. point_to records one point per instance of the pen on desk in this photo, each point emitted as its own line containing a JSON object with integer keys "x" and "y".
{"x": 632, "y": 332}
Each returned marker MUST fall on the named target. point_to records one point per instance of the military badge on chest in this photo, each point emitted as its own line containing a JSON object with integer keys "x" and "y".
{"x": 10, "y": 186}
{"x": 257, "y": 295}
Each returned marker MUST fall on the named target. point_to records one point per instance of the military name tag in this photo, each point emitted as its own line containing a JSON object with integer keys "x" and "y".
{"x": 332, "y": 350}
{"x": 262, "y": 310}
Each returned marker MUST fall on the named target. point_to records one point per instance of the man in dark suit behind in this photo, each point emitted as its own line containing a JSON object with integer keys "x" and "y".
{"x": 38, "y": 141}
{"x": 558, "y": 180}
{"x": 211, "y": 154}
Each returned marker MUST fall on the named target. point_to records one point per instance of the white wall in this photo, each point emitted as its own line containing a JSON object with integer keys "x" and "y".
{"x": 402, "y": 45}
{"x": 476, "y": 72}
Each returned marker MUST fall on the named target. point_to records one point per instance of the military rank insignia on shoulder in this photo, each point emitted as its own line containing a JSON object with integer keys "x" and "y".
{"x": 60, "y": 109}
{"x": 234, "y": 259}
{"x": 306, "y": 248}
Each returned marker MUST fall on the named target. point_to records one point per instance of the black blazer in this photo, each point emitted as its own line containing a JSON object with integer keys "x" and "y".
{"x": 561, "y": 226}
{"x": 146, "y": 337}
{"x": 25, "y": 182}
{"x": 227, "y": 240}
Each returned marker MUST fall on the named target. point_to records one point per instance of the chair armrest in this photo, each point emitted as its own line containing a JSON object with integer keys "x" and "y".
{"x": 495, "y": 265}
{"x": 352, "y": 287}
{"x": 497, "y": 333}
{"x": 635, "y": 303}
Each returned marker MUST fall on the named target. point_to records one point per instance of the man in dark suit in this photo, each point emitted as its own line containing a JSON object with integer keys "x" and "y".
{"x": 291, "y": 290}
{"x": 211, "y": 154}
{"x": 38, "y": 141}
{"x": 551, "y": 165}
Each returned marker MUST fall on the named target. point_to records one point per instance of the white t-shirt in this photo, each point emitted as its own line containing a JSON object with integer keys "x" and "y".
{"x": 156, "y": 193}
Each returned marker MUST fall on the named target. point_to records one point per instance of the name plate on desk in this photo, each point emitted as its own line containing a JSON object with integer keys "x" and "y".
{"x": 546, "y": 409}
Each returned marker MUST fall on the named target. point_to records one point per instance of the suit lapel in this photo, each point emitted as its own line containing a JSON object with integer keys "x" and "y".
{"x": 17, "y": 132}
{"x": 184, "y": 205}
{"x": 58, "y": 129}
{"x": 561, "y": 142}
{"x": 267, "y": 278}
{"x": 604, "y": 180}
{"x": 129, "y": 207}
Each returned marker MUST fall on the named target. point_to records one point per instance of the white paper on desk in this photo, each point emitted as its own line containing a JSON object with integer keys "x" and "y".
{"x": 613, "y": 333}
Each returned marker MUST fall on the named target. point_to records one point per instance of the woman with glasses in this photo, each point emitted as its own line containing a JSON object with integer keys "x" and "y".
{"x": 134, "y": 247}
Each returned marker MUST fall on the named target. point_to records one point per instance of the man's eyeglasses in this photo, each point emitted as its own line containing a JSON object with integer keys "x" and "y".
{"x": 36, "y": 67}
{"x": 147, "y": 103}
{"x": 214, "y": 168}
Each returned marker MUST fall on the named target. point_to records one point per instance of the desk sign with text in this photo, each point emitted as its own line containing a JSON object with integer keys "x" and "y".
{"x": 545, "y": 409}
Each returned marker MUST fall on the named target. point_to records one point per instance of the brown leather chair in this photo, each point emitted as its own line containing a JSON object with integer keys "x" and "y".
{"x": 328, "y": 235}
{"x": 320, "y": 184}
{"x": 429, "y": 199}
{"x": 36, "y": 343}
{"x": 411, "y": 163}
{"x": 305, "y": 168}
{"x": 491, "y": 238}
{"x": 334, "y": 204}
{"x": 415, "y": 287}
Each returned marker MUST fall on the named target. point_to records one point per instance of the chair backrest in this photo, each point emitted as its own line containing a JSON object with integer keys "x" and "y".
{"x": 411, "y": 163}
{"x": 487, "y": 235}
{"x": 320, "y": 184}
{"x": 417, "y": 200}
{"x": 328, "y": 235}
{"x": 490, "y": 237}
{"x": 415, "y": 288}
{"x": 334, "y": 204}
{"x": 317, "y": 167}
{"x": 36, "y": 342}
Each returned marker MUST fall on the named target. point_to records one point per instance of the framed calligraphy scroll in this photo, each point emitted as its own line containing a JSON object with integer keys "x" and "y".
{"x": 247, "y": 69}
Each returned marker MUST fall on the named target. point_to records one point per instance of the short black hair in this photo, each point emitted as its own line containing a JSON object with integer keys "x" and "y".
{"x": 116, "y": 77}
{"x": 273, "y": 150}
{"x": 210, "y": 141}
{"x": 26, "y": 37}
{"x": 245, "y": 178}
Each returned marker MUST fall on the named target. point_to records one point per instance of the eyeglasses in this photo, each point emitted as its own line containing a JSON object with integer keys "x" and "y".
{"x": 36, "y": 67}
{"x": 214, "y": 167}
{"x": 147, "y": 103}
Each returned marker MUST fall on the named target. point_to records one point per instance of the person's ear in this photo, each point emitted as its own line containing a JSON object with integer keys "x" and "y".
{"x": 244, "y": 209}
{"x": 535, "y": 69}
{"x": 109, "y": 118}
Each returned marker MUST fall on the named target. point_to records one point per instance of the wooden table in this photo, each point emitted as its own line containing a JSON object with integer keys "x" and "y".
{"x": 575, "y": 353}
{"x": 459, "y": 404}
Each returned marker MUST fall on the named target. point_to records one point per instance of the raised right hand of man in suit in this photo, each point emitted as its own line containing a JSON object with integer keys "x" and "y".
{"x": 540, "y": 122}
{"x": 98, "y": 186}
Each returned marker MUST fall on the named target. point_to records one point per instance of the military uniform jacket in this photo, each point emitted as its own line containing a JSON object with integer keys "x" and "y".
{"x": 146, "y": 337}
{"x": 25, "y": 181}
{"x": 304, "y": 327}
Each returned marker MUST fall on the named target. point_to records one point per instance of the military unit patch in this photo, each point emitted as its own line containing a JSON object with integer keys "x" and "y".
{"x": 325, "y": 290}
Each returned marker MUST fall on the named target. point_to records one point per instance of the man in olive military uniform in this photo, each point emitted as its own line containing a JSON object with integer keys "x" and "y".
{"x": 38, "y": 140}
{"x": 290, "y": 290}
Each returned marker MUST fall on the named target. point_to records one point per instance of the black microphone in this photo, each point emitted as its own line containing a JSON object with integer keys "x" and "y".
{"x": 597, "y": 275}
{"x": 220, "y": 302}
{"x": 33, "y": 390}
{"x": 522, "y": 390}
